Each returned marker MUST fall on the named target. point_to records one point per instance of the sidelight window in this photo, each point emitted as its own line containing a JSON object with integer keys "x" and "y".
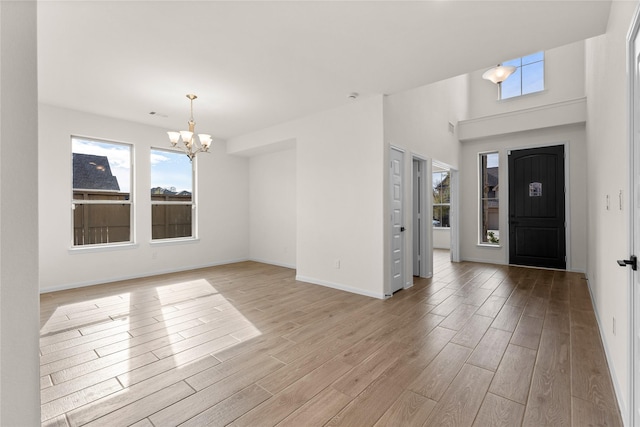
{"x": 489, "y": 200}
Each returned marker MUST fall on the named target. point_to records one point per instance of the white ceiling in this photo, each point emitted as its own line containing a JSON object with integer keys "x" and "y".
{"x": 256, "y": 64}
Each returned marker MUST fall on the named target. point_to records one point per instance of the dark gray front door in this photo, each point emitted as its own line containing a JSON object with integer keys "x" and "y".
{"x": 537, "y": 207}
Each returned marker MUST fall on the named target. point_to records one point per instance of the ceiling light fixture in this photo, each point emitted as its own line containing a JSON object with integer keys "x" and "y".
{"x": 499, "y": 73}
{"x": 191, "y": 148}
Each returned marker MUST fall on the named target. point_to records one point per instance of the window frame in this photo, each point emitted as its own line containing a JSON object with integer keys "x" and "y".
{"x": 519, "y": 68}
{"x": 193, "y": 202}
{"x": 483, "y": 239}
{"x": 96, "y": 202}
{"x": 434, "y": 205}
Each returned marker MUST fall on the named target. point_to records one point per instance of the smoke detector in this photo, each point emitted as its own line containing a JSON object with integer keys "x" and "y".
{"x": 353, "y": 95}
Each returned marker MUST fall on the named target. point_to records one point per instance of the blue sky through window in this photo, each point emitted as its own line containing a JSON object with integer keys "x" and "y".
{"x": 171, "y": 169}
{"x": 492, "y": 160}
{"x": 528, "y": 78}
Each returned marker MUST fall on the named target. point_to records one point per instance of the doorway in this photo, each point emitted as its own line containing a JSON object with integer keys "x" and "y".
{"x": 537, "y": 235}
{"x": 444, "y": 209}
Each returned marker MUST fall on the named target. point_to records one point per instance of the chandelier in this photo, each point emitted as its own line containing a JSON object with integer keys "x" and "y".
{"x": 189, "y": 144}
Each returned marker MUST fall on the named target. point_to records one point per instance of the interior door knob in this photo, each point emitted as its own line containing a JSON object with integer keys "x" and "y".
{"x": 633, "y": 262}
{"x": 401, "y": 228}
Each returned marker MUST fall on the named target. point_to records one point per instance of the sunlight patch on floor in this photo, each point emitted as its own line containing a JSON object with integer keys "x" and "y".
{"x": 102, "y": 350}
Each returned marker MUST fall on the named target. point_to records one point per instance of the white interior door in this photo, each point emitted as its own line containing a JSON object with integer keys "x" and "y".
{"x": 397, "y": 220}
{"x": 416, "y": 207}
{"x": 634, "y": 47}
{"x": 421, "y": 222}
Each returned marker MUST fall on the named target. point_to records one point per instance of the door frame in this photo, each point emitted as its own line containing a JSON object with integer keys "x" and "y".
{"x": 454, "y": 217}
{"x": 567, "y": 197}
{"x": 633, "y": 309}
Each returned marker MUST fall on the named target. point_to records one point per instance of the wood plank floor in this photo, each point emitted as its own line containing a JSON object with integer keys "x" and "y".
{"x": 247, "y": 345}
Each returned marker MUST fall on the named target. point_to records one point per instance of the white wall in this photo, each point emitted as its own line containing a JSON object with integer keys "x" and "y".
{"x": 272, "y": 206}
{"x": 564, "y": 80}
{"x": 19, "y": 302}
{"x": 442, "y": 238}
{"x": 222, "y": 196}
{"x": 574, "y": 137}
{"x": 418, "y": 120}
{"x": 608, "y": 154}
{"x": 339, "y": 212}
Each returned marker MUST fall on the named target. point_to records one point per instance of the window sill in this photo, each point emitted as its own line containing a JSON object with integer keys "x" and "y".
{"x": 102, "y": 248}
{"x": 441, "y": 228}
{"x": 488, "y": 245}
{"x": 526, "y": 95}
{"x": 176, "y": 241}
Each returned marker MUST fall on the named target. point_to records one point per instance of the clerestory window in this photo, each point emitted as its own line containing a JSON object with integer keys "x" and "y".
{"x": 528, "y": 77}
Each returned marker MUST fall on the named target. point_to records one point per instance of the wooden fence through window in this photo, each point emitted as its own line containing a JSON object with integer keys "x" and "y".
{"x": 110, "y": 221}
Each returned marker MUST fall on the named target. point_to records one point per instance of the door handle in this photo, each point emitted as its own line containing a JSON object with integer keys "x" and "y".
{"x": 633, "y": 262}
{"x": 401, "y": 229}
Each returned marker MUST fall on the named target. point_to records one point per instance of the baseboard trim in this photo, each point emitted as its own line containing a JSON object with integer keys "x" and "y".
{"x": 339, "y": 286}
{"x": 137, "y": 276}
{"x": 279, "y": 264}
{"x": 483, "y": 261}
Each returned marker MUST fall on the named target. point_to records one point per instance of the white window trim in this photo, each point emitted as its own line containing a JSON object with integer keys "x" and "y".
{"x": 482, "y": 243}
{"x": 194, "y": 205}
{"x": 131, "y": 243}
{"x": 544, "y": 73}
{"x": 438, "y": 227}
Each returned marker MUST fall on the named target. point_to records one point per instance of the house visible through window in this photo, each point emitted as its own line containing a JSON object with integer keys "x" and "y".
{"x": 489, "y": 202}
{"x": 172, "y": 198}
{"x": 528, "y": 77}
{"x": 101, "y": 199}
{"x": 441, "y": 198}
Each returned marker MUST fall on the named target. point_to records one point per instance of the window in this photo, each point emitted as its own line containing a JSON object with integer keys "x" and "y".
{"x": 101, "y": 199}
{"x": 489, "y": 203}
{"x": 172, "y": 198}
{"x": 441, "y": 199}
{"x": 528, "y": 77}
